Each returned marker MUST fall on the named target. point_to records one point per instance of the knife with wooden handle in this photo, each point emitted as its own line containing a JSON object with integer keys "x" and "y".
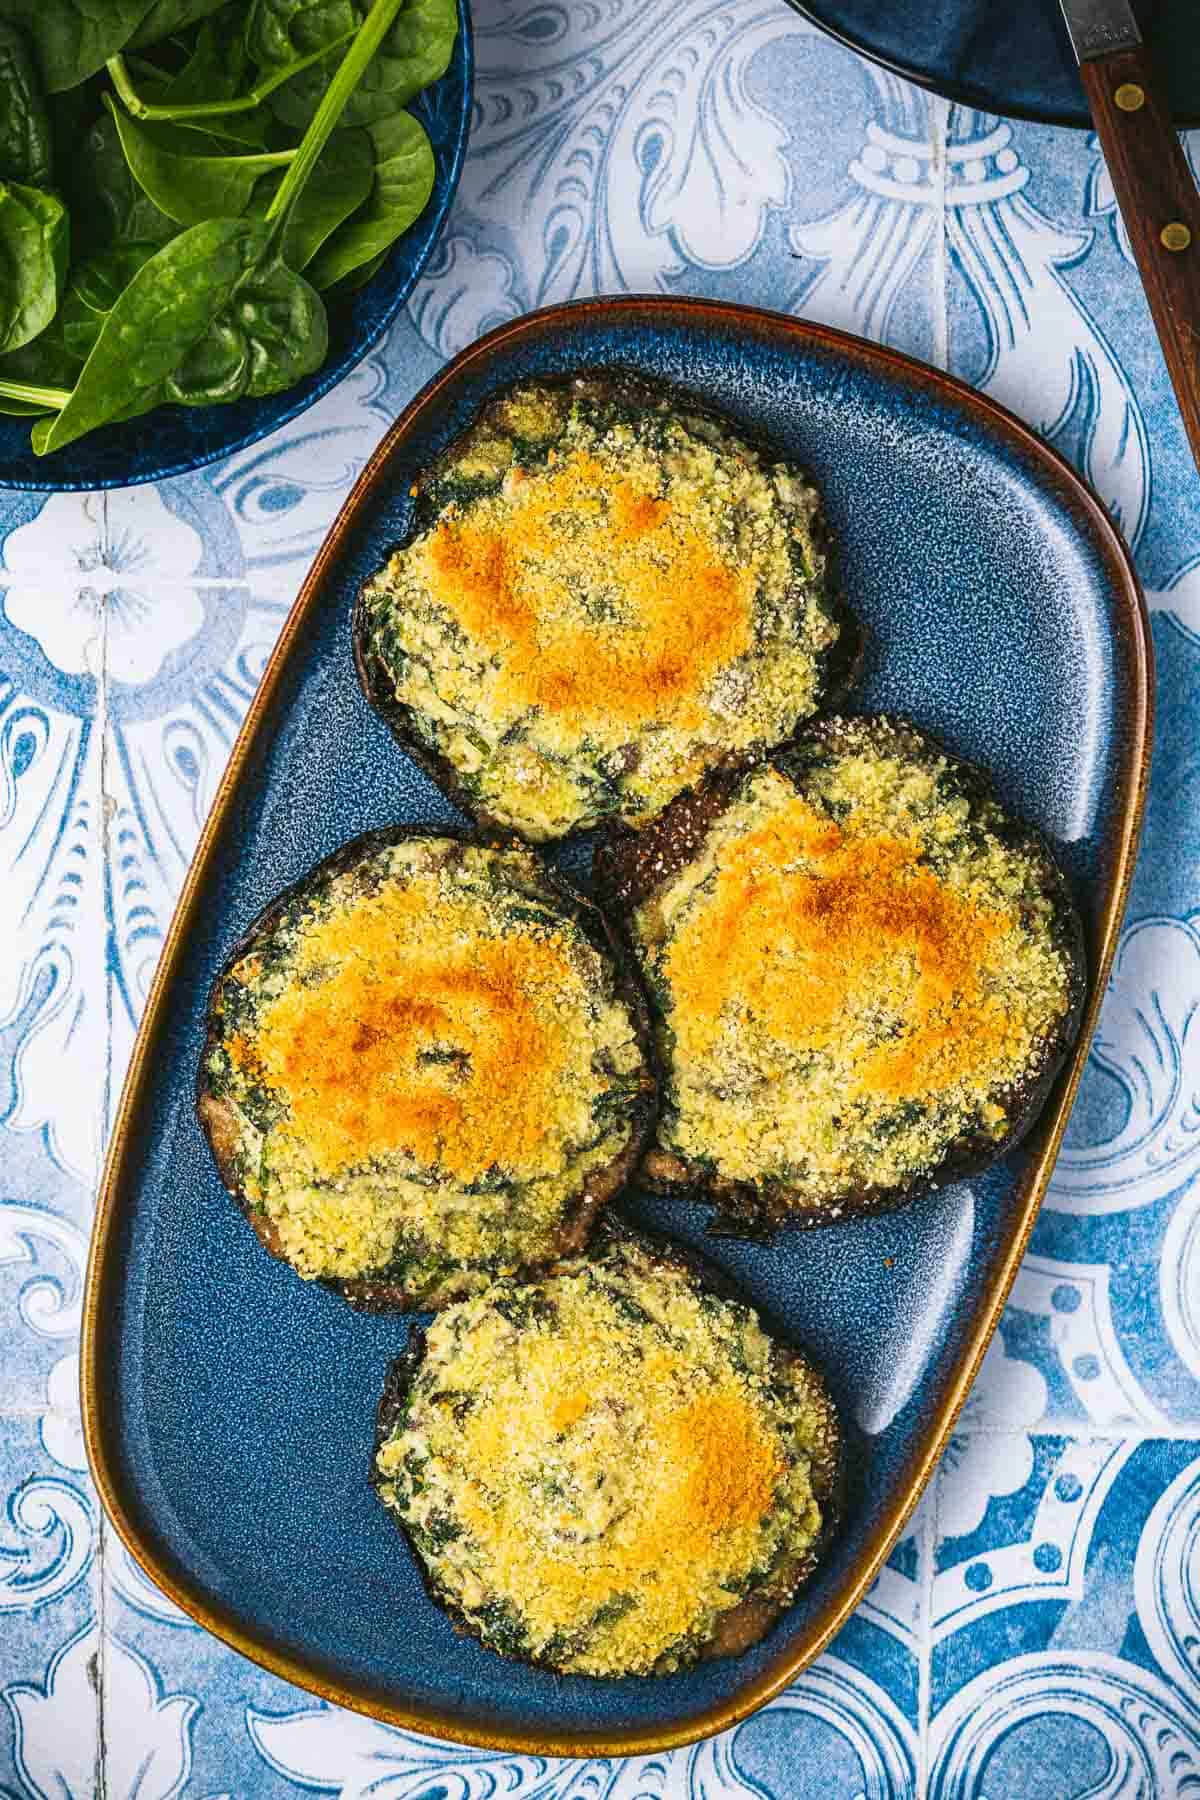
{"x": 1159, "y": 200}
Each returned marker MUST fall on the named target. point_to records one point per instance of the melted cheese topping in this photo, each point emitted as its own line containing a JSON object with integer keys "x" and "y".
{"x": 434, "y": 1048}
{"x": 617, "y": 1471}
{"x": 522, "y": 583}
{"x": 389, "y": 1041}
{"x": 587, "y": 635}
{"x": 851, "y": 981}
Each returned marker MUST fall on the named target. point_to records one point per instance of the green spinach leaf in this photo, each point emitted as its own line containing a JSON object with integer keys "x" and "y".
{"x": 182, "y": 182}
{"x": 357, "y": 278}
{"x": 34, "y": 234}
{"x": 415, "y": 52}
{"x": 274, "y": 334}
{"x": 70, "y": 115}
{"x": 92, "y": 292}
{"x": 341, "y": 181}
{"x": 25, "y": 141}
{"x": 217, "y": 70}
{"x": 281, "y": 31}
{"x": 191, "y": 187}
{"x": 74, "y": 38}
{"x": 166, "y": 17}
{"x": 403, "y": 182}
{"x": 43, "y": 365}
{"x": 212, "y": 315}
{"x": 107, "y": 205}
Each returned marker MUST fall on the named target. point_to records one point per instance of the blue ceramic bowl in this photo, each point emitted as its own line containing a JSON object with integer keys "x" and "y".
{"x": 229, "y": 1406}
{"x": 173, "y": 439}
{"x": 1008, "y": 56}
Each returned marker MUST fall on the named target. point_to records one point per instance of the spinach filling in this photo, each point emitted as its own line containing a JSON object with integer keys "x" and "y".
{"x": 637, "y": 1458}
{"x": 419, "y": 1065}
{"x": 527, "y": 636}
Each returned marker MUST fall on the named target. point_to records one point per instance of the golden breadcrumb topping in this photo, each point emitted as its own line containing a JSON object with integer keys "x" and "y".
{"x": 624, "y": 1462}
{"x": 852, "y": 976}
{"x": 587, "y": 624}
{"x": 429, "y": 1059}
{"x": 512, "y": 576}
{"x": 452, "y": 1052}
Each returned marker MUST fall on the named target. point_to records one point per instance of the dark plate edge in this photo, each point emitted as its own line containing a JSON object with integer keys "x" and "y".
{"x": 963, "y": 94}
{"x": 103, "y": 1273}
{"x": 400, "y": 297}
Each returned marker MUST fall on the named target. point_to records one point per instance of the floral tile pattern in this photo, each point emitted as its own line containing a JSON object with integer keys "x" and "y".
{"x": 1036, "y": 1630}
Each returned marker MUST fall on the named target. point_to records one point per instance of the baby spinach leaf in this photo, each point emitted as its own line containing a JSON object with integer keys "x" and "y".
{"x": 217, "y": 66}
{"x": 22, "y": 400}
{"x": 333, "y": 102}
{"x": 281, "y": 31}
{"x": 169, "y": 16}
{"x": 34, "y": 235}
{"x": 212, "y": 315}
{"x": 190, "y": 186}
{"x": 217, "y": 70}
{"x": 25, "y": 141}
{"x": 273, "y": 334}
{"x": 107, "y": 205}
{"x": 73, "y": 38}
{"x": 403, "y": 182}
{"x": 415, "y": 52}
{"x": 183, "y": 183}
{"x": 70, "y": 115}
{"x": 92, "y": 292}
{"x": 357, "y": 278}
{"x": 192, "y": 104}
{"x": 42, "y": 367}
{"x": 339, "y": 184}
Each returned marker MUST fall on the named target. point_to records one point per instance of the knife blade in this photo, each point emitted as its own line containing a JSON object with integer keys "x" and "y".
{"x": 1152, "y": 182}
{"x": 1098, "y": 27}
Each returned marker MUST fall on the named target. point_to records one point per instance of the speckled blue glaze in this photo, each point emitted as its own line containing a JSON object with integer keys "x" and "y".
{"x": 238, "y": 1401}
{"x": 1014, "y": 57}
{"x": 173, "y": 439}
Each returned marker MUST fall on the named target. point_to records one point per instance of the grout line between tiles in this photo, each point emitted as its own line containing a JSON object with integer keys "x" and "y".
{"x": 926, "y": 1550}
{"x": 107, "y": 848}
{"x": 939, "y": 122}
{"x": 101, "y": 1657}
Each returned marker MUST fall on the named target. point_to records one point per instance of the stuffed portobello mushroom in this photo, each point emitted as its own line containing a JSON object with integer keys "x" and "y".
{"x": 606, "y": 592}
{"x": 612, "y": 1470}
{"x": 425, "y": 1068}
{"x": 864, "y": 975}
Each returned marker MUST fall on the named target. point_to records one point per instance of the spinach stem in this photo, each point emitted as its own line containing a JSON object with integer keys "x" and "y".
{"x": 371, "y": 34}
{"x": 36, "y": 396}
{"x": 118, "y": 69}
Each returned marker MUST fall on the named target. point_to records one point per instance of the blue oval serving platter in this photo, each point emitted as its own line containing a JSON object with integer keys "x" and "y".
{"x": 229, "y": 1407}
{"x": 1013, "y": 57}
{"x": 174, "y": 439}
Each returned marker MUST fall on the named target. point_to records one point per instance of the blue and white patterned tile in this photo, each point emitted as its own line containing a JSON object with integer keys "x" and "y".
{"x": 1065, "y": 1622}
{"x": 836, "y": 1735}
{"x": 676, "y": 148}
{"x": 44, "y": 1220}
{"x": 1107, "y": 1304}
{"x": 723, "y": 147}
{"x": 847, "y": 1730}
{"x": 134, "y": 627}
{"x": 1043, "y": 312}
{"x": 49, "y": 1635}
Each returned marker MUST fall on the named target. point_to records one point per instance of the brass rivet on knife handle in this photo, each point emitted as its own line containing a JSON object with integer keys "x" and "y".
{"x": 1155, "y": 190}
{"x": 1130, "y": 97}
